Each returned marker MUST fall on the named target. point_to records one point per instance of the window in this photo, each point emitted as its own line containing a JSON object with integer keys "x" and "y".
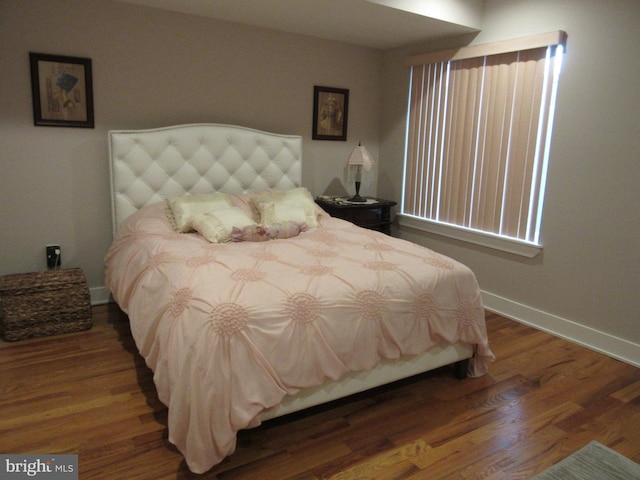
{"x": 479, "y": 135}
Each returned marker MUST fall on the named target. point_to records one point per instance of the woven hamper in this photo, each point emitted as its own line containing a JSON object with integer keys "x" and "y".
{"x": 44, "y": 303}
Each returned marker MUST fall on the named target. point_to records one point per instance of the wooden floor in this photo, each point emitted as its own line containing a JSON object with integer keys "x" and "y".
{"x": 89, "y": 393}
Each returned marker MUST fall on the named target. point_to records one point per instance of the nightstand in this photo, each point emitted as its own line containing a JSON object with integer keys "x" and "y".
{"x": 46, "y": 303}
{"x": 375, "y": 214}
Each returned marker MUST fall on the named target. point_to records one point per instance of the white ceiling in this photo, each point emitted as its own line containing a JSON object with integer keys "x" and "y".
{"x": 372, "y": 23}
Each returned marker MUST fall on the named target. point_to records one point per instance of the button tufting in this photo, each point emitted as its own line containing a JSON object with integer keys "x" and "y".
{"x": 198, "y": 158}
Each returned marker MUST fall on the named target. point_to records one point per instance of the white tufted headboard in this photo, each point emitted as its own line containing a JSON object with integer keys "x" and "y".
{"x": 148, "y": 166}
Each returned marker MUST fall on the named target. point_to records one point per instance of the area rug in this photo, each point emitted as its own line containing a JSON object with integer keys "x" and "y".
{"x": 594, "y": 461}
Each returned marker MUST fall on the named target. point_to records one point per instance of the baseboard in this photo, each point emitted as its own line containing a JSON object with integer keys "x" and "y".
{"x": 100, "y": 296}
{"x": 602, "y": 342}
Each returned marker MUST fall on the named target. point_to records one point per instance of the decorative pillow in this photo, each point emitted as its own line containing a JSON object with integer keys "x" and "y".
{"x": 297, "y": 197}
{"x": 186, "y": 206}
{"x": 258, "y": 233}
{"x": 243, "y": 201}
{"x": 278, "y": 213}
{"x": 217, "y": 227}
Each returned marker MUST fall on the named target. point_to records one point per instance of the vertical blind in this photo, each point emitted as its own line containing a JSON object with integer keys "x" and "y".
{"x": 478, "y": 140}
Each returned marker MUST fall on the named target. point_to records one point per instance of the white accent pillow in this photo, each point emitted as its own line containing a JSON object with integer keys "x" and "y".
{"x": 217, "y": 227}
{"x": 273, "y": 213}
{"x": 184, "y": 207}
{"x": 297, "y": 197}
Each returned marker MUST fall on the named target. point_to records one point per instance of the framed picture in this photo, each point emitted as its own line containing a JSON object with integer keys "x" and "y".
{"x": 62, "y": 91}
{"x": 330, "y": 110}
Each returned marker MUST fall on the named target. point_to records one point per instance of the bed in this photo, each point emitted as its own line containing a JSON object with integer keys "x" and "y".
{"x": 249, "y": 302}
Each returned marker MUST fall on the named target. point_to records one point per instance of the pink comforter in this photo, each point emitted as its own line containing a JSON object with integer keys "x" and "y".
{"x": 230, "y": 329}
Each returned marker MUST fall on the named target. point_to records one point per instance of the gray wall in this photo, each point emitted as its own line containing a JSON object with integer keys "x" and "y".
{"x": 153, "y": 68}
{"x": 588, "y": 277}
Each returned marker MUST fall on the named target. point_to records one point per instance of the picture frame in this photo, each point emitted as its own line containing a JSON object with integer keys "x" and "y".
{"x": 62, "y": 90}
{"x": 330, "y": 113}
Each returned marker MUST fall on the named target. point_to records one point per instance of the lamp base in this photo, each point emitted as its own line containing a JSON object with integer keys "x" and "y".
{"x": 357, "y": 197}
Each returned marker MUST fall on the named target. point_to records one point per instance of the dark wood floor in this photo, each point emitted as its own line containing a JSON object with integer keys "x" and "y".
{"x": 89, "y": 393}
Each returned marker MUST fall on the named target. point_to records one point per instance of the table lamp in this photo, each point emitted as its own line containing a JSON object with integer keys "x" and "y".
{"x": 358, "y": 160}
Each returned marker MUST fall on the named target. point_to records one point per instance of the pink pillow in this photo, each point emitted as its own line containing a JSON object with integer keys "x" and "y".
{"x": 258, "y": 233}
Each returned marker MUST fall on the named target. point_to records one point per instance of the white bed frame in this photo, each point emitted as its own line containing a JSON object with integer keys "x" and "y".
{"x": 148, "y": 166}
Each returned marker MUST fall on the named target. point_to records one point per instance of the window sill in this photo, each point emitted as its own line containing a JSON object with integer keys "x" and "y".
{"x": 496, "y": 242}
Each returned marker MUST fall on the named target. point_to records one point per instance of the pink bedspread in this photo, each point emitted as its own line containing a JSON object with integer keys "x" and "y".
{"x": 230, "y": 329}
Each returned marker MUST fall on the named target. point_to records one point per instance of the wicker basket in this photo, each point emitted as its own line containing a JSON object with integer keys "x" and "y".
{"x": 44, "y": 303}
